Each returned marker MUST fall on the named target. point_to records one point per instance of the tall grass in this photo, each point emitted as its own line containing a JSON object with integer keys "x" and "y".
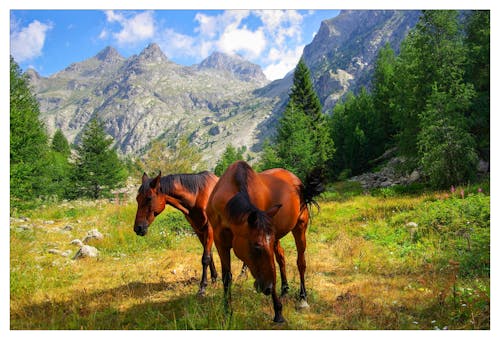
{"x": 367, "y": 268}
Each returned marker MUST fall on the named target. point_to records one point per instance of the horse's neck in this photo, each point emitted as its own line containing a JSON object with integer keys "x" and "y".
{"x": 180, "y": 200}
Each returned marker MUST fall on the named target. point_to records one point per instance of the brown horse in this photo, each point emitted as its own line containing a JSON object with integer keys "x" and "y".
{"x": 250, "y": 212}
{"x": 188, "y": 193}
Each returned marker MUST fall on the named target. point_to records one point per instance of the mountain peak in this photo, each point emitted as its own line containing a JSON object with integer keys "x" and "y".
{"x": 109, "y": 55}
{"x": 235, "y": 64}
{"x": 153, "y": 53}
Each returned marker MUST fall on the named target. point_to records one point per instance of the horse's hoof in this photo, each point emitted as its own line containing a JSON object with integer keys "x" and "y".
{"x": 201, "y": 293}
{"x": 302, "y": 304}
{"x": 279, "y": 319}
{"x": 214, "y": 279}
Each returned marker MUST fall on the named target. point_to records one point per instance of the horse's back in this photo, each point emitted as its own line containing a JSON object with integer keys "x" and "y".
{"x": 284, "y": 188}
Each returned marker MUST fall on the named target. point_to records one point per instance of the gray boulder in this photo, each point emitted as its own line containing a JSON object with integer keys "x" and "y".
{"x": 86, "y": 251}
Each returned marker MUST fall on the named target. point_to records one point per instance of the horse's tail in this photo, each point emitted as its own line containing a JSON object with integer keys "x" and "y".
{"x": 312, "y": 187}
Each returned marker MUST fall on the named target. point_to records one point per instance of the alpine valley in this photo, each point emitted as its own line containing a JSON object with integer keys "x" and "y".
{"x": 224, "y": 99}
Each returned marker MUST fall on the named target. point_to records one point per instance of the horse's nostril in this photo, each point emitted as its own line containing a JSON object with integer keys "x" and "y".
{"x": 141, "y": 230}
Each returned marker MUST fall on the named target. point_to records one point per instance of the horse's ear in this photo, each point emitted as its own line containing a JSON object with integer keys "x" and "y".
{"x": 155, "y": 183}
{"x": 144, "y": 177}
{"x": 273, "y": 210}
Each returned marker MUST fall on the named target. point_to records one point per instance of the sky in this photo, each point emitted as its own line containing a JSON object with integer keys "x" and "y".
{"x": 50, "y": 40}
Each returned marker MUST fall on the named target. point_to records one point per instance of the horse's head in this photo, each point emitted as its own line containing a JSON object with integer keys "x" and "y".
{"x": 149, "y": 203}
{"x": 254, "y": 245}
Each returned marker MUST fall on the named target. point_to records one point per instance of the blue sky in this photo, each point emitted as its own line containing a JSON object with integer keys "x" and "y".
{"x": 50, "y": 40}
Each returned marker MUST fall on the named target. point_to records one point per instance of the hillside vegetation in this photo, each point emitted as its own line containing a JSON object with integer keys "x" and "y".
{"x": 368, "y": 267}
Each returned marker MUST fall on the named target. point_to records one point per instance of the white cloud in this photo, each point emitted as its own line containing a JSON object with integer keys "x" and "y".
{"x": 27, "y": 43}
{"x": 213, "y": 26}
{"x": 281, "y": 24}
{"x": 281, "y": 62}
{"x": 176, "y": 44}
{"x": 135, "y": 29}
{"x": 242, "y": 40}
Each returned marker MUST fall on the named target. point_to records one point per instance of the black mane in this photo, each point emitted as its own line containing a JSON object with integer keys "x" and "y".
{"x": 240, "y": 207}
{"x": 191, "y": 182}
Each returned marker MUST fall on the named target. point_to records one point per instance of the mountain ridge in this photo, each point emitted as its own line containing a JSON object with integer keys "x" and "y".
{"x": 223, "y": 99}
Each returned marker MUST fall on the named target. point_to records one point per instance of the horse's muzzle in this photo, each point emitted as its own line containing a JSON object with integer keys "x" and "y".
{"x": 261, "y": 287}
{"x": 141, "y": 230}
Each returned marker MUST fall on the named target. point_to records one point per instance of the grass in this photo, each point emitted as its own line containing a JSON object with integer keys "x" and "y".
{"x": 366, "y": 268}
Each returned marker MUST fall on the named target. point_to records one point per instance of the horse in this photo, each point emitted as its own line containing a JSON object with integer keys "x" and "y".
{"x": 250, "y": 212}
{"x": 188, "y": 193}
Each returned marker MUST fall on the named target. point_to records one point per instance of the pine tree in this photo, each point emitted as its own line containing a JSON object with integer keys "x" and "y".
{"x": 357, "y": 134}
{"x": 432, "y": 56}
{"x": 478, "y": 73}
{"x": 303, "y": 141}
{"x": 296, "y": 147}
{"x": 59, "y": 165}
{"x": 28, "y": 140}
{"x": 60, "y": 143}
{"x": 447, "y": 150}
{"x": 230, "y": 155}
{"x": 303, "y": 95}
{"x": 383, "y": 92}
{"x": 97, "y": 169}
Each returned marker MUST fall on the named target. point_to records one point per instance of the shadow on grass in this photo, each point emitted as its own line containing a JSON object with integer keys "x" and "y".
{"x": 111, "y": 309}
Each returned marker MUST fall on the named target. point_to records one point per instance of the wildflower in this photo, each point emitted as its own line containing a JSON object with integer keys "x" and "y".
{"x": 452, "y": 189}
{"x": 433, "y": 321}
{"x": 479, "y": 190}
{"x": 462, "y": 193}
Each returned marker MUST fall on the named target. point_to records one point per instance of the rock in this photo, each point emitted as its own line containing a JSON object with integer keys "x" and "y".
{"x": 412, "y": 225}
{"x": 77, "y": 242}
{"x": 414, "y": 176}
{"x": 386, "y": 184}
{"x": 23, "y": 227}
{"x": 483, "y": 167}
{"x": 86, "y": 251}
{"x": 54, "y": 251}
{"x": 93, "y": 234}
{"x": 48, "y": 222}
{"x": 68, "y": 228}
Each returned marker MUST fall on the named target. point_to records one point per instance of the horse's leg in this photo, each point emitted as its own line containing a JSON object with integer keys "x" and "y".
{"x": 278, "y": 307}
{"x": 225, "y": 261}
{"x": 207, "y": 248}
{"x": 280, "y": 257}
{"x": 299, "y": 234}
{"x": 213, "y": 271}
{"x": 206, "y": 258}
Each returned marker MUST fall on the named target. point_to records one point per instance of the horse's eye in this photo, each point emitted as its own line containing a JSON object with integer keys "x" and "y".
{"x": 149, "y": 199}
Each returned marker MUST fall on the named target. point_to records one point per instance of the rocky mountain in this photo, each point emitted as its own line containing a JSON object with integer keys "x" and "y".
{"x": 342, "y": 54}
{"x": 224, "y": 99}
{"x": 234, "y": 65}
{"x": 147, "y": 96}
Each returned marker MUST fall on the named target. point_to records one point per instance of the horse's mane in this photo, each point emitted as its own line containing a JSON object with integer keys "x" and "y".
{"x": 239, "y": 206}
{"x": 191, "y": 182}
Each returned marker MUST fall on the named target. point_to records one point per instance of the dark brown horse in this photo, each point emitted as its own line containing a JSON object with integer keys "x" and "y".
{"x": 250, "y": 212}
{"x": 188, "y": 193}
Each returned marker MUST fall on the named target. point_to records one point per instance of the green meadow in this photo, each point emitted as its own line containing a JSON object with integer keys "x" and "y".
{"x": 396, "y": 258}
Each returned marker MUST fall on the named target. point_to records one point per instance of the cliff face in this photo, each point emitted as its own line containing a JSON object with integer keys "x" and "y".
{"x": 343, "y": 52}
{"x": 224, "y": 99}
